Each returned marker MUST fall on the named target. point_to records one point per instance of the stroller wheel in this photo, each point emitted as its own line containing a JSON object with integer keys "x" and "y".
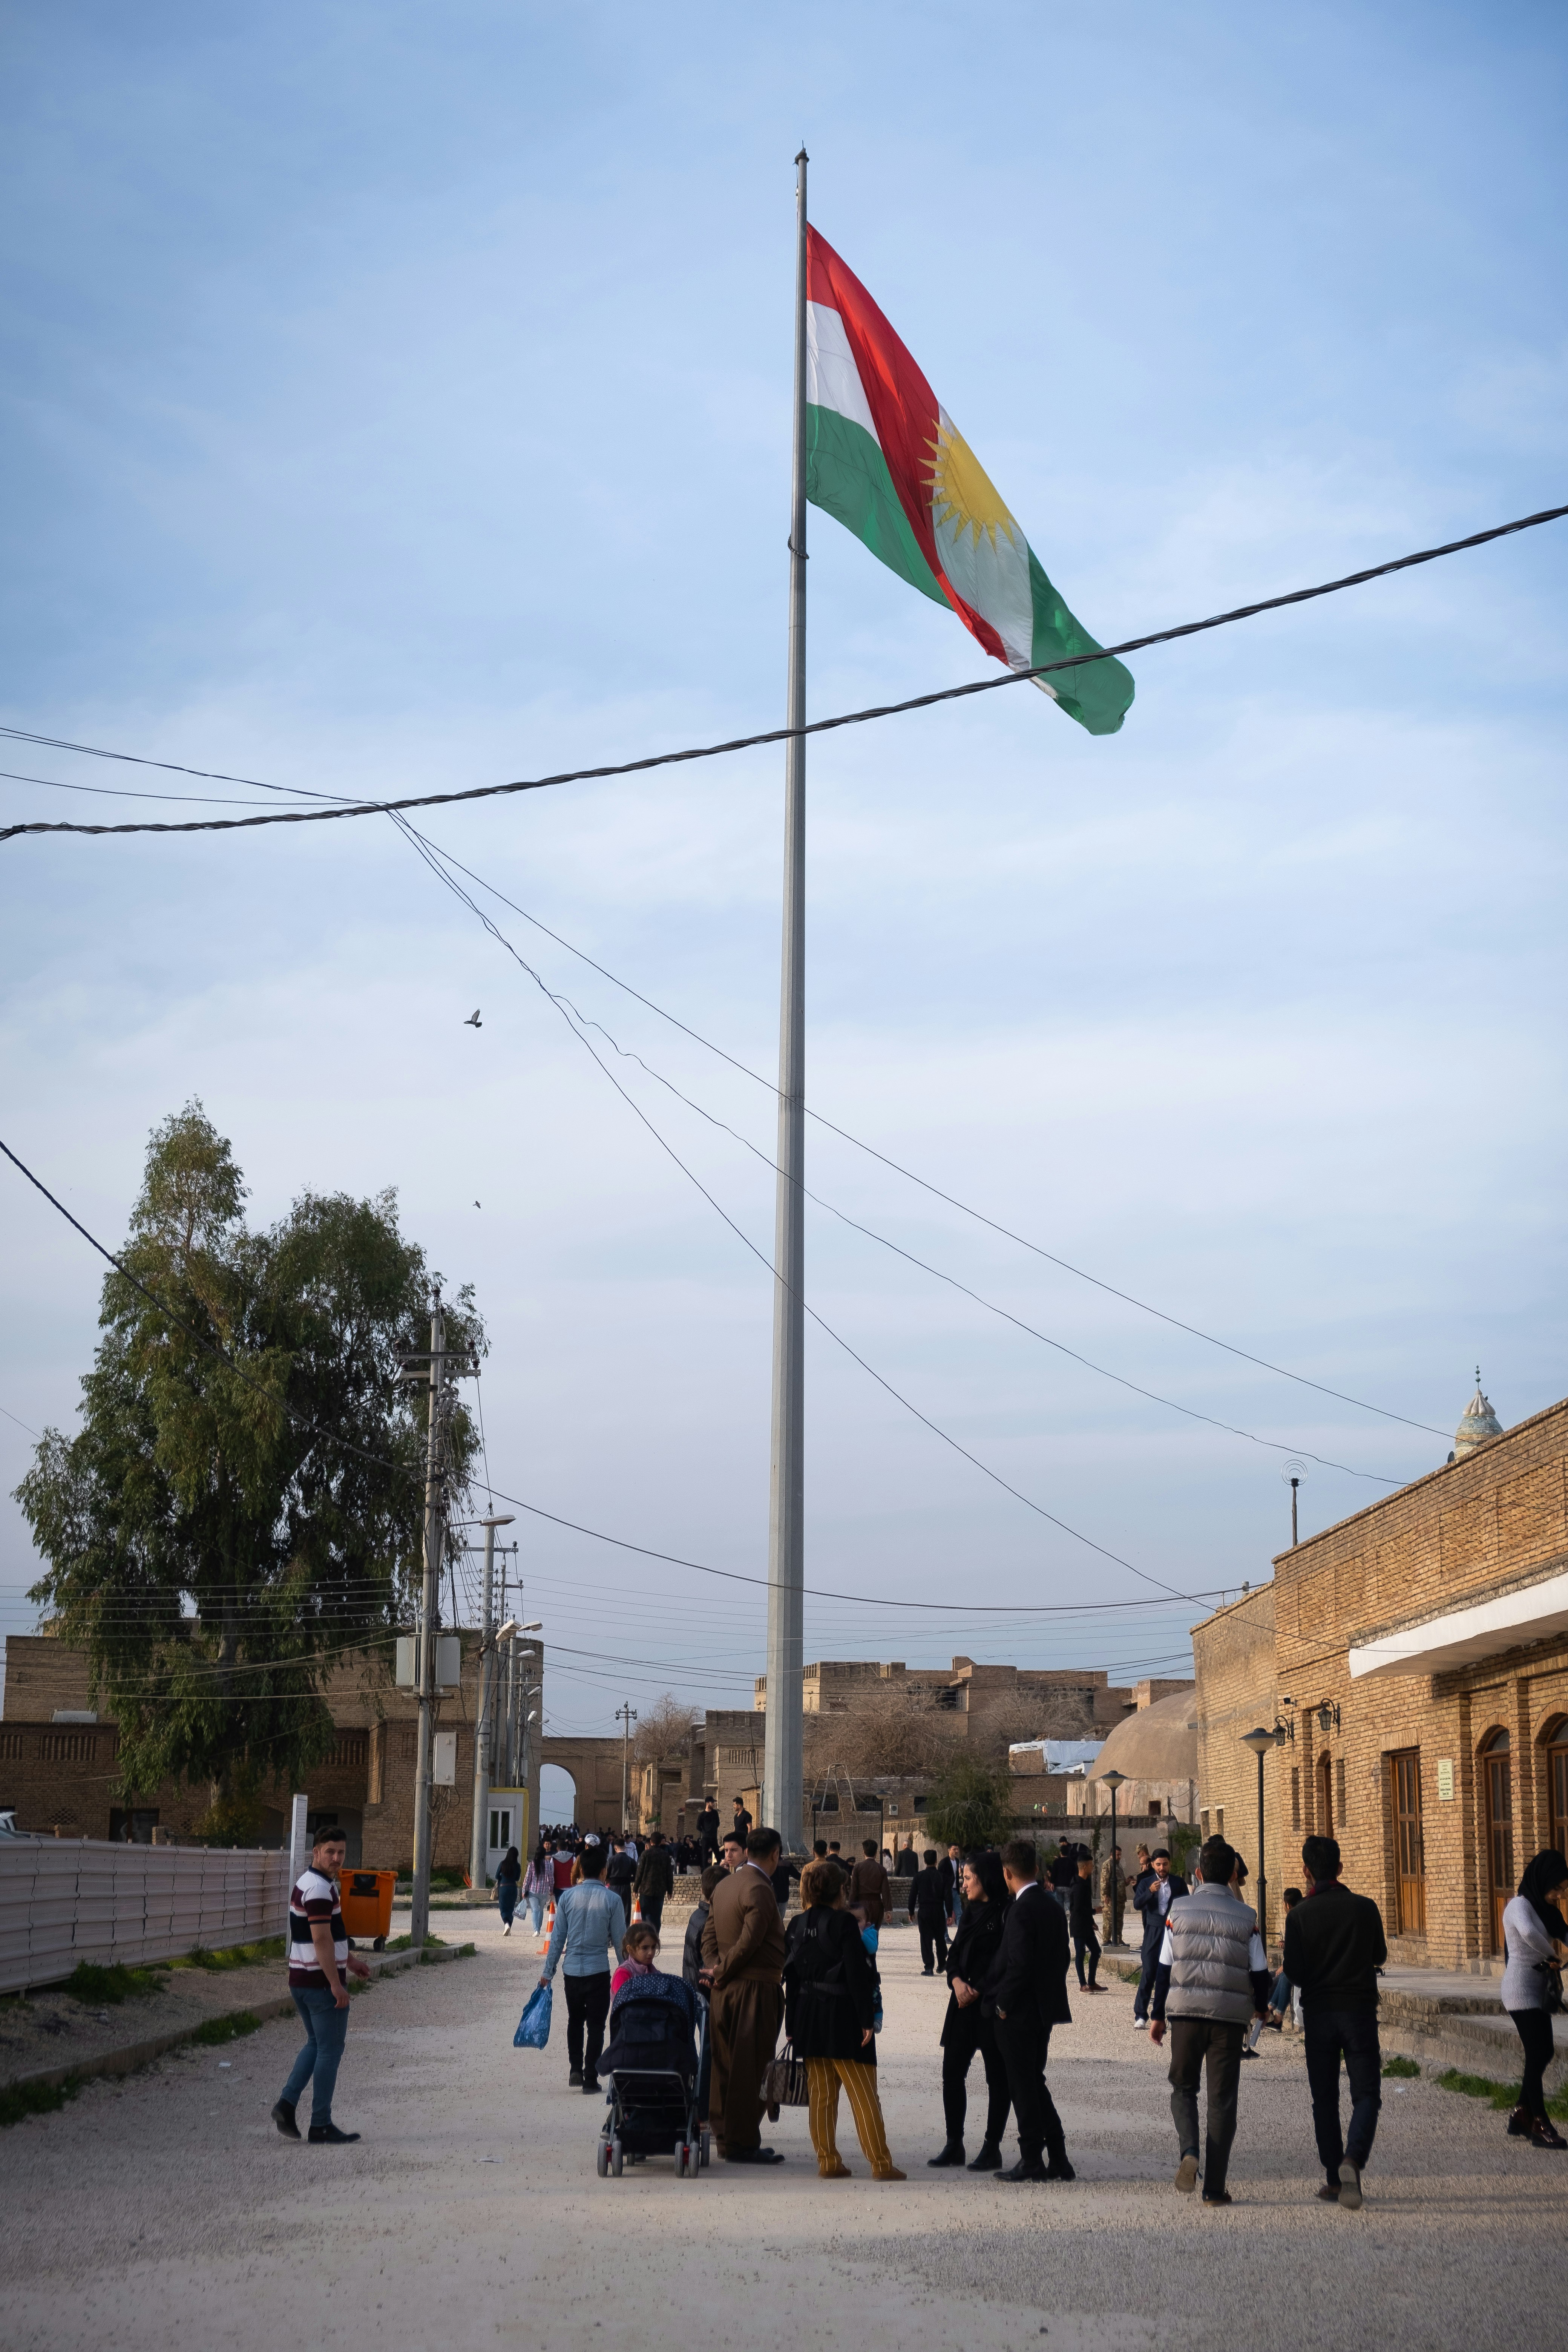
{"x": 617, "y": 2159}
{"x": 602, "y": 2159}
{"x": 706, "y": 2148}
{"x": 682, "y": 2157}
{"x": 693, "y": 2160}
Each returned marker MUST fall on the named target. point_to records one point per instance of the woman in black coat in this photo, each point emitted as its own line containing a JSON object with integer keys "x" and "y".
{"x": 964, "y": 2030}
{"x": 830, "y": 1998}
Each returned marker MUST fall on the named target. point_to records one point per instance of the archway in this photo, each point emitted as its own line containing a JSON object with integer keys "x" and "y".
{"x": 557, "y": 1794}
{"x": 1497, "y": 1791}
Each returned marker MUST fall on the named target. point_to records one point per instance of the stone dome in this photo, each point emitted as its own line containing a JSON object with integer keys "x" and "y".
{"x": 1160, "y": 1743}
{"x": 1479, "y": 1424}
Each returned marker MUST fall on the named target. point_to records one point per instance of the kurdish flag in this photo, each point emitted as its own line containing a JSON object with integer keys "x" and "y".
{"x": 884, "y": 457}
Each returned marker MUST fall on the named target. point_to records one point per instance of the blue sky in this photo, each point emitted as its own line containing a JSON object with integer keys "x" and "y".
{"x": 398, "y": 399}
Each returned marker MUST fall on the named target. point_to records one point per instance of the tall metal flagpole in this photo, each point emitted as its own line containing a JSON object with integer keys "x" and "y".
{"x": 781, "y": 1764}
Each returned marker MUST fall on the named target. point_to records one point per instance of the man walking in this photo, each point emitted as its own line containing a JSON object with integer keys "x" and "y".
{"x": 319, "y": 1955}
{"x": 1025, "y": 1993}
{"x": 707, "y": 1833}
{"x": 588, "y": 1924}
{"x": 654, "y": 1878}
{"x": 1080, "y": 1924}
{"x": 950, "y": 1870}
{"x": 1213, "y": 1975}
{"x": 929, "y": 1911}
{"x": 619, "y": 1873}
{"x": 1334, "y": 1946}
{"x": 743, "y": 1948}
{"x": 1156, "y": 1891}
{"x": 742, "y": 1824}
{"x": 870, "y": 1885}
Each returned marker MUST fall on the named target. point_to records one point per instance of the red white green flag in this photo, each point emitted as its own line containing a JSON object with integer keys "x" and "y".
{"x": 886, "y": 459}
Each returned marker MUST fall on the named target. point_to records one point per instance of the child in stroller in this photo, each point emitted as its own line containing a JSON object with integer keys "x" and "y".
{"x": 653, "y": 2064}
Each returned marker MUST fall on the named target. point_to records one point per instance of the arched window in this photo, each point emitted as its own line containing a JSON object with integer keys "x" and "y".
{"x": 1554, "y": 1739}
{"x": 1325, "y": 1795}
{"x": 1497, "y": 1790}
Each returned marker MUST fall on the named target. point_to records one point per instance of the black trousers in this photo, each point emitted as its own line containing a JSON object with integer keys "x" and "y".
{"x": 1148, "y": 1964}
{"x": 652, "y": 1907}
{"x": 1081, "y": 1945}
{"x": 934, "y": 1939}
{"x": 1535, "y": 2032}
{"x": 1349, "y": 2033}
{"x": 1024, "y": 2045}
{"x": 956, "y": 2058}
{"x": 587, "y": 2007}
{"x": 1211, "y": 2045}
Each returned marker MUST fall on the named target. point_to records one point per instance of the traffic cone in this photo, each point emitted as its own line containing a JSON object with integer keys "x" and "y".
{"x": 636, "y": 1911}
{"x": 550, "y": 1920}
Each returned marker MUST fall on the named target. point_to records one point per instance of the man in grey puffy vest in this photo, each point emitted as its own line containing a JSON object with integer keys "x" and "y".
{"x": 1213, "y": 1977}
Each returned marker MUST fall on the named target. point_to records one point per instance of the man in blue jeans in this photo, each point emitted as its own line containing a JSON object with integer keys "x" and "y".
{"x": 319, "y": 1958}
{"x": 1333, "y": 1949}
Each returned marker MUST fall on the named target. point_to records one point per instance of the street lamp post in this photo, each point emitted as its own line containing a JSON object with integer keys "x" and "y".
{"x": 1260, "y": 1742}
{"x": 1113, "y": 1780}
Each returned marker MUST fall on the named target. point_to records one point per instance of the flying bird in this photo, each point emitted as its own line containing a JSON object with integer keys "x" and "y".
{"x": 473, "y": 1021}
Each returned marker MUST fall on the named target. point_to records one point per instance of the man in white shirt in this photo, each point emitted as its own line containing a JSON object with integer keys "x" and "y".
{"x": 319, "y": 1961}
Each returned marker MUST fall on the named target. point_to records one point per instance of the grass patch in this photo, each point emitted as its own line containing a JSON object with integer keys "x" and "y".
{"x": 219, "y": 2029}
{"x": 1406, "y": 2067}
{"x": 106, "y": 1988}
{"x": 234, "y": 1956}
{"x": 1503, "y": 2096}
{"x": 19, "y": 2100}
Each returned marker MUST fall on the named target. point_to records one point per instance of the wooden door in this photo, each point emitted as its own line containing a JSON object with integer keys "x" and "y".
{"x": 1497, "y": 1772}
{"x": 1409, "y": 1852}
{"x": 1557, "y": 1787}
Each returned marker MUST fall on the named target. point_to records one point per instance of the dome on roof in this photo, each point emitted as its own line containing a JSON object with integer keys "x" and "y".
{"x": 1159, "y": 1743}
{"x": 1479, "y": 1424}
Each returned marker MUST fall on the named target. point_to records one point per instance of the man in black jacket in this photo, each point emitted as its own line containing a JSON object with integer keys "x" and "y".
{"x": 1334, "y": 1946}
{"x": 619, "y": 1871}
{"x": 1026, "y": 1994}
{"x": 1156, "y": 1890}
{"x": 928, "y": 1909}
{"x": 1080, "y": 1924}
{"x": 708, "y": 1833}
{"x": 656, "y": 1876}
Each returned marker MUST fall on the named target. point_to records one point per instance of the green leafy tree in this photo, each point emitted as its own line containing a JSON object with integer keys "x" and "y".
{"x": 242, "y": 1507}
{"x": 972, "y": 1804}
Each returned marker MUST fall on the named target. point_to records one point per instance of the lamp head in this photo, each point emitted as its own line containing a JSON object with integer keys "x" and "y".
{"x": 1258, "y": 1740}
{"x": 1114, "y": 1780}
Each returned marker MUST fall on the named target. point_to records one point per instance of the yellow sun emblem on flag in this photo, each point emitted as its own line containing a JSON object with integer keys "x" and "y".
{"x": 962, "y": 492}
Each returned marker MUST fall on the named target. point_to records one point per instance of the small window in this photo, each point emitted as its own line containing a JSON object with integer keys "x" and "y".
{"x": 918, "y": 1806}
{"x": 893, "y": 1810}
{"x": 1203, "y": 1818}
{"x": 1295, "y": 1797}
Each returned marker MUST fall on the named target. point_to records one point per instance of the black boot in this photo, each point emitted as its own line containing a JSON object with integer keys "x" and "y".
{"x": 989, "y": 2159}
{"x": 952, "y": 2154}
{"x": 283, "y": 2116}
{"x": 1518, "y": 2123}
{"x": 329, "y": 2136}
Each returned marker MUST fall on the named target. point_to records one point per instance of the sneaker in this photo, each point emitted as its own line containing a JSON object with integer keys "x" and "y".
{"x": 1187, "y": 2174}
{"x": 1349, "y": 2188}
{"x": 283, "y": 2116}
{"x": 507, "y": 1930}
{"x": 1139, "y": 2025}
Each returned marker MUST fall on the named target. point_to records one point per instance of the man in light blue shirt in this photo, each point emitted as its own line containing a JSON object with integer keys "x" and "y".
{"x": 589, "y": 1922}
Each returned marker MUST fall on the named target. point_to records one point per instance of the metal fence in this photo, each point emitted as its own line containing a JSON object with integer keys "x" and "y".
{"x": 63, "y": 1900}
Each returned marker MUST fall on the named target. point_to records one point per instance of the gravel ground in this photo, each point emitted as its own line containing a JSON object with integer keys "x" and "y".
{"x": 471, "y": 2214}
{"x": 52, "y": 2029}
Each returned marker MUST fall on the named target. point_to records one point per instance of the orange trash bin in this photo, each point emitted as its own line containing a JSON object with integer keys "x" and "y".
{"x": 364, "y": 1898}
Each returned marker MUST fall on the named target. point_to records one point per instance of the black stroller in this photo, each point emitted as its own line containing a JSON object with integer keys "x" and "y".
{"x": 655, "y": 2062}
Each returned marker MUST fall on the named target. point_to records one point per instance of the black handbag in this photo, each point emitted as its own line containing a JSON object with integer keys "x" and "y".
{"x": 785, "y": 2083}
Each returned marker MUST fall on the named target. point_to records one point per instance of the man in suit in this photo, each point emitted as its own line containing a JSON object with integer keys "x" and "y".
{"x": 707, "y": 1833}
{"x": 868, "y": 1884}
{"x": 743, "y": 1948}
{"x": 950, "y": 1870}
{"x": 1025, "y": 1993}
{"x": 654, "y": 1878}
{"x": 928, "y": 1909}
{"x": 1156, "y": 1890}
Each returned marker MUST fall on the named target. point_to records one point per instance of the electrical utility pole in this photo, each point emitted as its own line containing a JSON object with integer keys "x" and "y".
{"x": 782, "y": 1752}
{"x": 479, "y": 1846}
{"x": 625, "y": 1715}
{"x": 435, "y": 1500}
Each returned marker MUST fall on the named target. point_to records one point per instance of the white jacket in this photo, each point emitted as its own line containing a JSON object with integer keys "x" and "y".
{"x": 1527, "y": 1947}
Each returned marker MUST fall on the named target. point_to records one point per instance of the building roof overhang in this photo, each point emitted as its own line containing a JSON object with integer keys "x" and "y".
{"x": 1436, "y": 1646}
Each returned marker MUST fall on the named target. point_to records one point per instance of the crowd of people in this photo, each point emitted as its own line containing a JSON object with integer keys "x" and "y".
{"x": 1003, "y": 1933}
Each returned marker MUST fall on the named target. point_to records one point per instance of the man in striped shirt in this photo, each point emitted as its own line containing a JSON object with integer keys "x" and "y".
{"x": 319, "y": 1964}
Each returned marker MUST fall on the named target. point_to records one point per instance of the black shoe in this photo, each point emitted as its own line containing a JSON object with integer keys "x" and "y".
{"x": 283, "y": 2116}
{"x": 591, "y": 2086}
{"x": 1328, "y": 2194}
{"x": 329, "y": 2136}
{"x": 989, "y": 2159}
{"x": 574, "y": 2079}
{"x": 952, "y": 2154}
{"x": 928, "y": 1973}
{"x": 1022, "y": 2171}
{"x": 1223, "y": 2198}
{"x": 1060, "y": 2169}
{"x": 754, "y": 2156}
{"x": 1518, "y": 2123}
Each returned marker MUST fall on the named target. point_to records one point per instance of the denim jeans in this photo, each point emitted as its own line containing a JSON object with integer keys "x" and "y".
{"x": 326, "y": 2029}
{"x": 505, "y": 1898}
{"x": 536, "y": 1902}
{"x": 1352, "y": 2033}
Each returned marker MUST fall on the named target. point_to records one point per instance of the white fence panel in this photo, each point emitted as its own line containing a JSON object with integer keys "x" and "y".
{"x": 62, "y": 1901}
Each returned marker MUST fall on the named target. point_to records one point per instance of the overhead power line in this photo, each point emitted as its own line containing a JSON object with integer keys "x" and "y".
{"x": 621, "y": 1543}
{"x": 772, "y": 734}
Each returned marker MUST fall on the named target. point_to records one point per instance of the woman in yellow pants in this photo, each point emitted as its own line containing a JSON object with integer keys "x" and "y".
{"x": 830, "y": 1991}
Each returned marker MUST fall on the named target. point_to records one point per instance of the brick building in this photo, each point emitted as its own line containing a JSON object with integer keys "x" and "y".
{"x": 968, "y": 1701}
{"x": 1414, "y": 1660}
{"x": 59, "y": 1762}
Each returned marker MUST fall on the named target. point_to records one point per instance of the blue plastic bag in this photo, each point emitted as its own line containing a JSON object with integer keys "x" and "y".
{"x": 533, "y": 2025}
